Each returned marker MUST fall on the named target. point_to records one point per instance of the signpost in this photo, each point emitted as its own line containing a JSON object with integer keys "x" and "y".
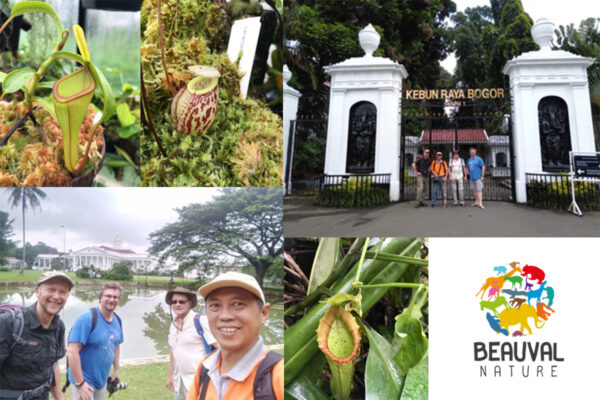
{"x": 584, "y": 167}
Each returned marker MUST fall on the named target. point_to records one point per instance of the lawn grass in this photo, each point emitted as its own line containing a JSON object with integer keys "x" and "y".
{"x": 143, "y": 382}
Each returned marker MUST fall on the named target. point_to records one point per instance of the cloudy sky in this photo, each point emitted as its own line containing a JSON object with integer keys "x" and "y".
{"x": 561, "y": 12}
{"x": 94, "y": 216}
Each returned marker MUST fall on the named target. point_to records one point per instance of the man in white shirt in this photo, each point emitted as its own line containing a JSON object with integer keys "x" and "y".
{"x": 458, "y": 174}
{"x": 188, "y": 347}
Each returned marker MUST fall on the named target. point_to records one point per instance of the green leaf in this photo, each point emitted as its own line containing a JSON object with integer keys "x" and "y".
{"x": 46, "y": 84}
{"x": 124, "y": 115}
{"x": 47, "y": 103}
{"x": 15, "y": 80}
{"x": 412, "y": 342}
{"x": 325, "y": 259}
{"x": 303, "y": 388}
{"x": 416, "y": 386}
{"x": 2, "y": 76}
{"x": 124, "y": 154}
{"x": 24, "y": 7}
{"x": 127, "y": 132}
{"x": 130, "y": 177}
{"x": 383, "y": 377}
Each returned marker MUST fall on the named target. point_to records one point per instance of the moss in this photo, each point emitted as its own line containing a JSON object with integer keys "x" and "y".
{"x": 243, "y": 146}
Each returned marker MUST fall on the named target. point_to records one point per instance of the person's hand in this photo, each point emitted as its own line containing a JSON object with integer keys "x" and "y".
{"x": 85, "y": 392}
{"x": 465, "y": 178}
{"x": 482, "y": 178}
{"x": 170, "y": 385}
{"x": 419, "y": 174}
{"x": 116, "y": 375}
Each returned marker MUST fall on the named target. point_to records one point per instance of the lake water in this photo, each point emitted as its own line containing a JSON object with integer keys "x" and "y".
{"x": 144, "y": 313}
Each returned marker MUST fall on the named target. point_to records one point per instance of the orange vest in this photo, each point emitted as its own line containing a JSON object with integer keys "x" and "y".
{"x": 439, "y": 168}
{"x": 238, "y": 390}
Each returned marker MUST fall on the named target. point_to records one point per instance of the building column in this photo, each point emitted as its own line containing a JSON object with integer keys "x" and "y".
{"x": 291, "y": 98}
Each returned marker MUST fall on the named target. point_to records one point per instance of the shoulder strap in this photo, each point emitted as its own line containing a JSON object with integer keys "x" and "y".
{"x": 263, "y": 382}
{"x": 200, "y": 331}
{"x": 18, "y": 324}
{"x": 94, "y": 312}
{"x": 203, "y": 383}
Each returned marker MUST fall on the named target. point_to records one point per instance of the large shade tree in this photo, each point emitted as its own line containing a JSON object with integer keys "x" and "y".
{"x": 240, "y": 226}
{"x": 320, "y": 33}
{"x": 26, "y": 198}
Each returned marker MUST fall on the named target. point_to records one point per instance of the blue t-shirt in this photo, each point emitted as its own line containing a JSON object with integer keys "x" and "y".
{"x": 475, "y": 164}
{"x": 99, "y": 347}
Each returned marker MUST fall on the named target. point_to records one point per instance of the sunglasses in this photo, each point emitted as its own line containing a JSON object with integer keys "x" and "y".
{"x": 178, "y": 301}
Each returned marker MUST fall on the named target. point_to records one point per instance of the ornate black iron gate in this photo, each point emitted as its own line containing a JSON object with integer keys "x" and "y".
{"x": 441, "y": 126}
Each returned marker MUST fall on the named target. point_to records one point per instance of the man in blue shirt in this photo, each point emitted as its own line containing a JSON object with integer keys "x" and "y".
{"x": 476, "y": 168}
{"x": 91, "y": 352}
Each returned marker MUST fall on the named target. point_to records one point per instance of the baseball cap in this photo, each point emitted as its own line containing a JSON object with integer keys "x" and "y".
{"x": 46, "y": 276}
{"x": 233, "y": 279}
{"x": 439, "y": 153}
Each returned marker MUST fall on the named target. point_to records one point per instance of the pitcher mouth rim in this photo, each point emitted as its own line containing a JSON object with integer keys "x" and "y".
{"x": 213, "y": 83}
{"x": 83, "y": 93}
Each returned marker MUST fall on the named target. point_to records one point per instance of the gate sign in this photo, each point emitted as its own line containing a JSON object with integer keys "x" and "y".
{"x": 586, "y": 166}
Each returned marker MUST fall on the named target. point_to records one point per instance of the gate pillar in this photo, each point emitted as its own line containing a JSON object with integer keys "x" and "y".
{"x": 552, "y": 112}
{"x": 371, "y": 128}
{"x": 290, "y": 109}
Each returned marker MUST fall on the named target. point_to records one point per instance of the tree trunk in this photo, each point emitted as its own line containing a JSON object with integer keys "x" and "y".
{"x": 261, "y": 269}
{"x": 22, "y": 270}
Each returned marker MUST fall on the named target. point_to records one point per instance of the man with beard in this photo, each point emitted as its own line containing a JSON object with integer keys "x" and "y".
{"x": 29, "y": 360}
{"x": 93, "y": 348}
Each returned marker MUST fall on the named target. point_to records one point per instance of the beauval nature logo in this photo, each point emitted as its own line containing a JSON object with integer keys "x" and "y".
{"x": 515, "y": 297}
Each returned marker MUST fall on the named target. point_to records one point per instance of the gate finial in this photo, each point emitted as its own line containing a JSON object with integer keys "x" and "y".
{"x": 542, "y": 32}
{"x": 369, "y": 40}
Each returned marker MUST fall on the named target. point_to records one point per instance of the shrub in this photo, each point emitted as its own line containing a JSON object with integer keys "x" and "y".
{"x": 557, "y": 195}
{"x": 83, "y": 272}
{"x": 119, "y": 272}
{"x": 356, "y": 192}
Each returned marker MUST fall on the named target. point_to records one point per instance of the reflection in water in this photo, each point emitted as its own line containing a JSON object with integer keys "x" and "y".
{"x": 144, "y": 314}
{"x": 157, "y": 326}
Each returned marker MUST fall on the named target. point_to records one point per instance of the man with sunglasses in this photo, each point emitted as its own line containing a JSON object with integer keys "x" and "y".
{"x": 94, "y": 348}
{"x": 189, "y": 345}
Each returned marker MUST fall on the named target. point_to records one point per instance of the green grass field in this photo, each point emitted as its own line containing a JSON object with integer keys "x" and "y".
{"x": 143, "y": 382}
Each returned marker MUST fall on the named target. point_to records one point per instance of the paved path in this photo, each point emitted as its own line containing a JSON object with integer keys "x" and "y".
{"x": 303, "y": 219}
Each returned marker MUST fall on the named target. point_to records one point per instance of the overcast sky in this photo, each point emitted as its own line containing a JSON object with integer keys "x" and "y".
{"x": 94, "y": 216}
{"x": 561, "y": 12}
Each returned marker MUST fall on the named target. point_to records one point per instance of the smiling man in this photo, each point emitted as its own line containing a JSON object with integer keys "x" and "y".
{"x": 243, "y": 367}
{"x": 94, "y": 345}
{"x": 28, "y": 362}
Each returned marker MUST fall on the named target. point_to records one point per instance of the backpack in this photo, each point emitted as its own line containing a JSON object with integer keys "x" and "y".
{"x": 200, "y": 331}
{"x": 94, "y": 312}
{"x": 18, "y": 323}
{"x": 263, "y": 382}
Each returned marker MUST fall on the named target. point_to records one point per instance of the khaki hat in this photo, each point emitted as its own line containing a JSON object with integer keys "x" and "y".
{"x": 439, "y": 153}
{"x": 181, "y": 290}
{"x": 46, "y": 276}
{"x": 233, "y": 279}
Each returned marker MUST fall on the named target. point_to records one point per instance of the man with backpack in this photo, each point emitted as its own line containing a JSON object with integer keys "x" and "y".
{"x": 189, "y": 338}
{"x": 439, "y": 170}
{"x": 94, "y": 345}
{"x": 32, "y": 340}
{"x": 242, "y": 367}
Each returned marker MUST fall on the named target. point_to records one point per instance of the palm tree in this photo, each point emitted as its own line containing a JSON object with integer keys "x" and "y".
{"x": 25, "y": 197}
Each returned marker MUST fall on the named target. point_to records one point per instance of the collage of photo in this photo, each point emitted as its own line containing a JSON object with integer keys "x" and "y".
{"x": 241, "y": 199}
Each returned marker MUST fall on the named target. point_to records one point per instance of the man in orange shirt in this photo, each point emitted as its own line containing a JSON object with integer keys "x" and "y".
{"x": 243, "y": 367}
{"x": 439, "y": 170}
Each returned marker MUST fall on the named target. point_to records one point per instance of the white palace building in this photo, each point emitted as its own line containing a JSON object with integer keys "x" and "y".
{"x": 101, "y": 257}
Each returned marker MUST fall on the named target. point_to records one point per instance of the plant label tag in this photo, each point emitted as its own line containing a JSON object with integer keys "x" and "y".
{"x": 244, "y": 39}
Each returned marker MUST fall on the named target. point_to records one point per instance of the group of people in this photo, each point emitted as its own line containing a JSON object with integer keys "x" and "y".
{"x": 457, "y": 171}
{"x": 219, "y": 355}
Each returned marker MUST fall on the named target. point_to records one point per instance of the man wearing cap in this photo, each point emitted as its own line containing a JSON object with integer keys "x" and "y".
{"x": 188, "y": 344}
{"x": 439, "y": 170}
{"x": 421, "y": 167}
{"x": 243, "y": 367}
{"x": 29, "y": 363}
{"x": 92, "y": 349}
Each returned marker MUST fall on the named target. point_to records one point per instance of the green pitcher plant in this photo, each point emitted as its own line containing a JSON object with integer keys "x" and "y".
{"x": 71, "y": 95}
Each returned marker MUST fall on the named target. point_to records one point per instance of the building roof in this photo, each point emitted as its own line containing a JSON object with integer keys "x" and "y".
{"x": 465, "y": 136}
{"x": 122, "y": 251}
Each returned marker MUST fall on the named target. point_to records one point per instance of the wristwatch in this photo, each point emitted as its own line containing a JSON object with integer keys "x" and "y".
{"x": 80, "y": 384}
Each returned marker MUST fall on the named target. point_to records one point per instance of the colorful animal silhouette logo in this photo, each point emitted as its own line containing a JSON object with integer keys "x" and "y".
{"x": 513, "y": 310}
